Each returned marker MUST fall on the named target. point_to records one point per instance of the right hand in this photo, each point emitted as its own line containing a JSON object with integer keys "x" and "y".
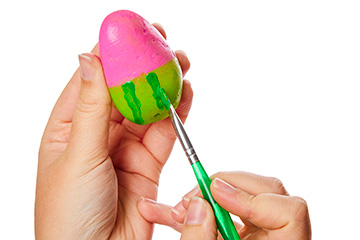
{"x": 262, "y": 203}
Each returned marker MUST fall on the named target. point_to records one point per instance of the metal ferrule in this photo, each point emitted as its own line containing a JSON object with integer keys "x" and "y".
{"x": 182, "y": 136}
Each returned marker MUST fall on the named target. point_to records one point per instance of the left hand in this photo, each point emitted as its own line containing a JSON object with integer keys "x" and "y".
{"x": 94, "y": 165}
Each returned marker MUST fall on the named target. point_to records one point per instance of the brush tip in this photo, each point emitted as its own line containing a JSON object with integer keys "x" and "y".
{"x": 164, "y": 99}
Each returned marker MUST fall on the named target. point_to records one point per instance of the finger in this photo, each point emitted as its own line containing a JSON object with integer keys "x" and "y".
{"x": 59, "y": 124}
{"x": 90, "y": 124}
{"x": 158, "y": 213}
{"x": 266, "y": 210}
{"x": 180, "y": 55}
{"x": 252, "y": 183}
{"x": 199, "y": 221}
{"x": 163, "y": 130}
{"x": 65, "y": 106}
{"x": 183, "y": 60}
{"x": 179, "y": 211}
{"x": 160, "y": 28}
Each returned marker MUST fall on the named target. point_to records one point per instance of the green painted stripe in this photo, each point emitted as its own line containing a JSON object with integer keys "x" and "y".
{"x": 154, "y": 83}
{"x": 132, "y": 101}
{"x": 164, "y": 99}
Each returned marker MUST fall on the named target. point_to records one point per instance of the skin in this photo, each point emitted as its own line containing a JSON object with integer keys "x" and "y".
{"x": 262, "y": 203}
{"x": 89, "y": 178}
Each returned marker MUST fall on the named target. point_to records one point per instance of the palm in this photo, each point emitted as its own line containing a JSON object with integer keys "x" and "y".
{"x": 137, "y": 174}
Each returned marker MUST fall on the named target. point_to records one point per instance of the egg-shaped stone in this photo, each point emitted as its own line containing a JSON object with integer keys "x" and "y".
{"x": 137, "y": 61}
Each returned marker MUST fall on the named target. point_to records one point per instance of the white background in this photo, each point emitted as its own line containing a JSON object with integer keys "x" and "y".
{"x": 277, "y": 93}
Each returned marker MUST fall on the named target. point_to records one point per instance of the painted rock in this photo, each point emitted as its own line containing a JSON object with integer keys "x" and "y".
{"x": 137, "y": 61}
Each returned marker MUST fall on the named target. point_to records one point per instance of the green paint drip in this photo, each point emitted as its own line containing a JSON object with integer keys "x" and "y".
{"x": 132, "y": 101}
{"x": 154, "y": 83}
{"x": 164, "y": 99}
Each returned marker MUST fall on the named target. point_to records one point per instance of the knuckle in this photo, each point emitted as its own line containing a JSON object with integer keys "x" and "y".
{"x": 90, "y": 105}
{"x": 300, "y": 208}
{"x": 86, "y": 106}
{"x": 277, "y": 186}
{"x": 164, "y": 131}
{"x": 252, "y": 204}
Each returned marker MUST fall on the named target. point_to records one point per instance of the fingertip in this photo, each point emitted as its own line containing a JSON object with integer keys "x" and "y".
{"x": 227, "y": 195}
{"x": 199, "y": 220}
{"x": 160, "y": 28}
{"x": 177, "y": 215}
{"x": 93, "y": 86}
{"x": 146, "y": 207}
{"x": 180, "y": 55}
{"x": 143, "y": 204}
{"x": 87, "y": 67}
{"x": 93, "y": 57}
{"x": 146, "y": 201}
{"x": 90, "y": 67}
{"x": 158, "y": 213}
{"x": 197, "y": 212}
{"x": 183, "y": 60}
{"x": 186, "y": 100}
{"x": 188, "y": 92}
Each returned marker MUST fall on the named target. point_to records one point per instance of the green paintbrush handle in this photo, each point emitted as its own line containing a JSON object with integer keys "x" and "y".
{"x": 223, "y": 220}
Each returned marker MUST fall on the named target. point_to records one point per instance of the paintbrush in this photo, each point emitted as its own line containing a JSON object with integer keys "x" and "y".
{"x": 224, "y": 222}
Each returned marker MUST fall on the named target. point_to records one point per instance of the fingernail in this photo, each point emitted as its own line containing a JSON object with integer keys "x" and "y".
{"x": 148, "y": 200}
{"x": 176, "y": 211}
{"x": 182, "y": 52}
{"x": 193, "y": 192}
{"x": 87, "y": 70}
{"x": 223, "y": 186}
{"x": 158, "y": 24}
{"x": 179, "y": 207}
{"x": 187, "y": 82}
{"x": 196, "y": 212}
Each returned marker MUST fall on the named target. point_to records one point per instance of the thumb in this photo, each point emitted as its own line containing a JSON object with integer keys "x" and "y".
{"x": 90, "y": 124}
{"x": 199, "y": 221}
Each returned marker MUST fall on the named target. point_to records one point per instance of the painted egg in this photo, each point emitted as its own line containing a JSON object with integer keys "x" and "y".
{"x": 137, "y": 61}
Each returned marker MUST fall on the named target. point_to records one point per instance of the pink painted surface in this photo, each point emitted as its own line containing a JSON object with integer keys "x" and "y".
{"x": 130, "y": 46}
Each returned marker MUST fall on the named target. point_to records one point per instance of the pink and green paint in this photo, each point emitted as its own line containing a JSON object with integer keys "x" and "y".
{"x": 138, "y": 62}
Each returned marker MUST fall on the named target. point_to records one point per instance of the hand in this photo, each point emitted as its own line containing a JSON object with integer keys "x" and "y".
{"x": 94, "y": 165}
{"x": 262, "y": 203}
